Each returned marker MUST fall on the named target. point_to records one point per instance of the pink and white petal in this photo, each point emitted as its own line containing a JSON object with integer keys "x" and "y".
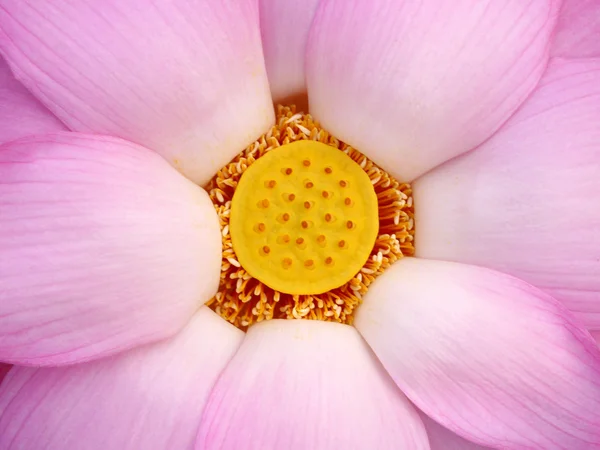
{"x": 104, "y": 247}
{"x": 578, "y": 30}
{"x": 526, "y": 201}
{"x": 486, "y": 355}
{"x": 4, "y": 368}
{"x": 297, "y": 384}
{"x": 148, "y": 398}
{"x": 186, "y": 79}
{"x": 284, "y": 29}
{"x": 20, "y": 113}
{"x": 596, "y": 335}
{"x": 441, "y": 438}
{"x": 413, "y": 83}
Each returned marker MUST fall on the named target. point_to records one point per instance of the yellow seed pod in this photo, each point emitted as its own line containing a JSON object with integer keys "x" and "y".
{"x": 291, "y": 210}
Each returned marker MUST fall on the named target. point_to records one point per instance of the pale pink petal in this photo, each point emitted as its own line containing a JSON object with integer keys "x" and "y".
{"x": 299, "y": 385}
{"x": 148, "y": 398}
{"x": 526, "y": 201}
{"x": 486, "y": 355}
{"x": 413, "y": 83}
{"x": 20, "y": 113}
{"x": 284, "y": 28}
{"x": 186, "y": 79}
{"x": 4, "y": 368}
{"x": 578, "y": 29}
{"x": 596, "y": 335}
{"x": 104, "y": 246}
{"x": 441, "y": 438}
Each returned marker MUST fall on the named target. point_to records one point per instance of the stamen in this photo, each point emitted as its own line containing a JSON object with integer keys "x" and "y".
{"x": 243, "y": 299}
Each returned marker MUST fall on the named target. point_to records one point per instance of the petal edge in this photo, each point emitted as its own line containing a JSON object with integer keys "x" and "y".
{"x": 486, "y": 355}
{"x": 300, "y": 384}
{"x": 191, "y": 81}
{"x": 148, "y": 398}
{"x": 104, "y": 247}
{"x": 525, "y": 202}
{"x": 415, "y": 83}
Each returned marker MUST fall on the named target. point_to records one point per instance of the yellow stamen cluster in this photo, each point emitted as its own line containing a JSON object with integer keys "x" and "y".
{"x": 243, "y": 299}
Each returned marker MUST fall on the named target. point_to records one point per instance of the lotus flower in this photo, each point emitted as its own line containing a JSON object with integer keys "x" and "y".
{"x": 110, "y": 248}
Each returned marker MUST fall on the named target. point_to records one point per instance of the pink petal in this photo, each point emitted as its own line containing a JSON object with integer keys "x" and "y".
{"x": 578, "y": 29}
{"x": 441, "y": 438}
{"x": 20, "y": 113}
{"x": 413, "y": 83}
{"x": 486, "y": 355}
{"x": 149, "y": 398}
{"x": 186, "y": 79}
{"x": 596, "y": 335}
{"x": 4, "y": 368}
{"x": 299, "y": 385}
{"x": 526, "y": 201}
{"x": 284, "y": 28}
{"x": 104, "y": 247}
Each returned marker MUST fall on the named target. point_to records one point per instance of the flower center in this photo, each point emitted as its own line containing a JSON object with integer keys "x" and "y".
{"x": 304, "y": 218}
{"x": 308, "y": 223}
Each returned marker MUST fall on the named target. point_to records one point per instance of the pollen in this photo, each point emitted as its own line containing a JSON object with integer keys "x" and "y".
{"x": 308, "y": 223}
